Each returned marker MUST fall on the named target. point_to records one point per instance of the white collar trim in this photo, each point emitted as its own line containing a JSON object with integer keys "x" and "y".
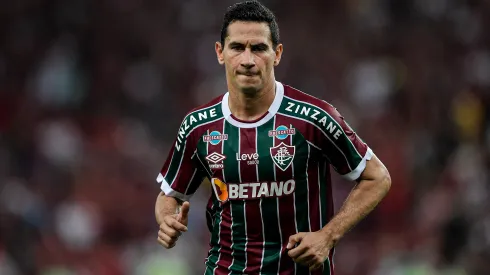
{"x": 272, "y": 109}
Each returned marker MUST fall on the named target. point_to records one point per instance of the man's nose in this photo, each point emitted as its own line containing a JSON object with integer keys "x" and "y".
{"x": 247, "y": 59}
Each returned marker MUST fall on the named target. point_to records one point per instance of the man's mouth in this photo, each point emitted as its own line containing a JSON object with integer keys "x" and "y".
{"x": 247, "y": 73}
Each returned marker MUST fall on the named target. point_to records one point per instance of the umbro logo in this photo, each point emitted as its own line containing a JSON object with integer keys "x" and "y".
{"x": 214, "y": 159}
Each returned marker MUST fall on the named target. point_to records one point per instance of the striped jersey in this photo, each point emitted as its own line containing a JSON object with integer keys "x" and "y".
{"x": 270, "y": 178}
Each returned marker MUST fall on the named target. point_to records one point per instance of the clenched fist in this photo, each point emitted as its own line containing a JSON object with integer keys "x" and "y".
{"x": 312, "y": 249}
{"x": 172, "y": 227}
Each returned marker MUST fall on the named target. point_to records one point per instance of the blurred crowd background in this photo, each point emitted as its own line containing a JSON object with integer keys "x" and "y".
{"x": 92, "y": 93}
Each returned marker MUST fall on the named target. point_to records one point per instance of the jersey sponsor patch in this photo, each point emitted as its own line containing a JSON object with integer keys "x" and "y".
{"x": 317, "y": 116}
{"x": 220, "y": 189}
{"x": 215, "y": 137}
{"x": 282, "y": 132}
{"x": 214, "y": 160}
{"x": 251, "y": 190}
{"x": 282, "y": 155}
{"x": 251, "y": 159}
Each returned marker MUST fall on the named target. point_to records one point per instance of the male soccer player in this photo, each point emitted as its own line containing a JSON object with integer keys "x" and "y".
{"x": 266, "y": 148}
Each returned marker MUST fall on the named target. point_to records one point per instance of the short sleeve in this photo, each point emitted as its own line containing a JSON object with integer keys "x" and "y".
{"x": 180, "y": 177}
{"x": 344, "y": 149}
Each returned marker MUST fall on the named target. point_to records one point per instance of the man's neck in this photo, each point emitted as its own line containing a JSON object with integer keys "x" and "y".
{"x": 248, "y": 107}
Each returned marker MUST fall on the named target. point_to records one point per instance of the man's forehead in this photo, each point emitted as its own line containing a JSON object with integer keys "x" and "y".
{"x": 249, "y": 32}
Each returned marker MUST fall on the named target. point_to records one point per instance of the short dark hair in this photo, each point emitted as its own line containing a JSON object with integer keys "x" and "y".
{"x": 250, "y": 11}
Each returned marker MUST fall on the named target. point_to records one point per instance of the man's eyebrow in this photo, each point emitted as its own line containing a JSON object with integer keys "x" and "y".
{"x": 258, "y": 45}
{"x": 232, "y": 44}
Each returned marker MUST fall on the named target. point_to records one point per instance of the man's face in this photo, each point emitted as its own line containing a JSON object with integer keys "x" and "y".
{"x": 248, "y": 55}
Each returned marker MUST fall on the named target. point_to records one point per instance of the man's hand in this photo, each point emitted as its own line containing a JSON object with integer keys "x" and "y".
{"x": 312, "y": 250}
{"x": 172, "y": 227}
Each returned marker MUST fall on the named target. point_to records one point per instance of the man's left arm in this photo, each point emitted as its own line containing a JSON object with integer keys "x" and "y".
{"x": 370, "y": 189}
{"x": 314, "y": 247}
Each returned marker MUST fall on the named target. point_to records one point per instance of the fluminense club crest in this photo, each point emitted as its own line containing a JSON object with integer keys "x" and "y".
{"x": 282, "y": 155}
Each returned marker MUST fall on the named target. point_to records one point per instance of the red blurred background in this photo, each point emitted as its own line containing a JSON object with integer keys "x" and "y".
{"x": 92, "y": 94}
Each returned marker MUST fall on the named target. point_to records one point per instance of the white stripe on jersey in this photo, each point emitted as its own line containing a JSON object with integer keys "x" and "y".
{"x": 190, "y": 181}
{"x": 222, "y": 208}
{"x": 277, "y": 202}
{"x": 294, "y": 201}
{"x": 308, "y": 188}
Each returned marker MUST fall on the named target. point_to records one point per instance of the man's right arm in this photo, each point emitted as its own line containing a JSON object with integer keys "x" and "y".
{"x": 172, "y": 217}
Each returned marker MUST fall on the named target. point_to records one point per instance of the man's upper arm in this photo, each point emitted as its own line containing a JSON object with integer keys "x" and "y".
{"x": 374, "y": 170}
{"x": 345, "y": 150}
{"x": 180, "y": 176}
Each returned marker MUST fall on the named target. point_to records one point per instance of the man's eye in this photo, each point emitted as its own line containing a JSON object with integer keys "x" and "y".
{"x": 258, "y": 49}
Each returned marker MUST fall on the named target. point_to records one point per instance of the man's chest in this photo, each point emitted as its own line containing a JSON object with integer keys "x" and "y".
{"x": 251, "y": 155}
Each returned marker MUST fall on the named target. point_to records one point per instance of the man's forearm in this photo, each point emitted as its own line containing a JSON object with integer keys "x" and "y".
{"x": 165, "y": 206}
{"x": 360, "y": 202}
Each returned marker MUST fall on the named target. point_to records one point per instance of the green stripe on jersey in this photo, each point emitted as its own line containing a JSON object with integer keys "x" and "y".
{"x": 231, "y": 172}
{"x": 213, "y": 256}
{"x": 268, "y": 206}
{"x": 214, "y": 252}
{"x": 190, "y": 122}
{"x": 326, "y": 123}
{"x": 300, "y": 166}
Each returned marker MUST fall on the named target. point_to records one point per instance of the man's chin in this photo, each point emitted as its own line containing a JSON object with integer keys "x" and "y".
{"x": 249, "y": 88}
{"x": 248, "y": 84}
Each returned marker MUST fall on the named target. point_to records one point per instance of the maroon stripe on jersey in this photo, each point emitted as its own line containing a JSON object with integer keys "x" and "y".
{"x": 225, "y": 258}
{"x": 286, "y": 204}
{"x": 335, "y": 155}
{"x": 248, "y": 171}
{"x": 314, "y": 195}
{"x": 248, "y": 145}
{"x": 182, "y": 179}
{"x": 254, "y": 236}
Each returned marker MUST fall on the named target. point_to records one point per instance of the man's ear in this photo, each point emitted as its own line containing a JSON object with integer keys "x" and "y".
{"x": 219, "y": 53}
{"x": 278, "y": 52}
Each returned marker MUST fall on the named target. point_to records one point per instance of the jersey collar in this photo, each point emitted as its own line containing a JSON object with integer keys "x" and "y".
{"x": 271, "y": 112}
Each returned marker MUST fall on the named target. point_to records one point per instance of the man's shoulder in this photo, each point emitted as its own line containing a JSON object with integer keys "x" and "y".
{"x": 303, "y": 99}
{"x": 201, "y": 115}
